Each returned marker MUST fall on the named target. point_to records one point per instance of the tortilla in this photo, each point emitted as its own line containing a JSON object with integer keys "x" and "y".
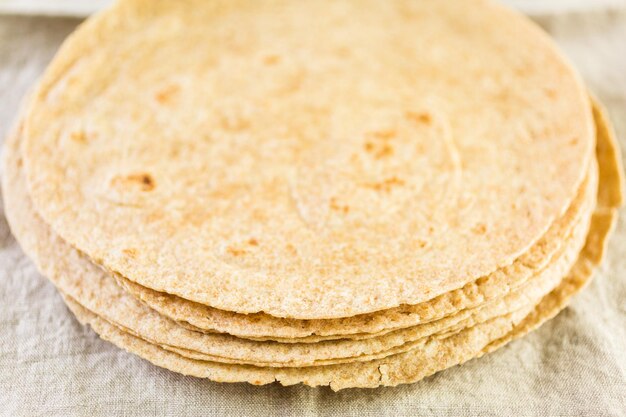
{"x": 442, "y": 353}
{"x": 313, "y": 169}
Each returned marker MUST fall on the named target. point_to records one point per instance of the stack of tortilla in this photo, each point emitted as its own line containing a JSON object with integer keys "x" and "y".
{"x": 347, "y": 193}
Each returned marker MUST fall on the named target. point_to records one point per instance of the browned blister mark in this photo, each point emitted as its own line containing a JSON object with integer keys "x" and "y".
{"x": 79, "y": 136}
{"x": 422, "y": 244}
{"x": 386, "y": 185}
{"x": 271, "y": 59}
{"x": 419, "y": 117}
{"x": 166, "y": 94}
{"x": 479, "y": 229}
{"x": 334, "y": 204}
{"x": 291, "y": 249}
{"x": 384, "y": 134}
{"x": 144, "y": 181}
{"x": 378, "y": 150}
{"x": 233, "y": 251}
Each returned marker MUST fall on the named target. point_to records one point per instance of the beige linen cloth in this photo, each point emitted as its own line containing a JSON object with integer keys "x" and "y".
{"x": 575, "y": 365}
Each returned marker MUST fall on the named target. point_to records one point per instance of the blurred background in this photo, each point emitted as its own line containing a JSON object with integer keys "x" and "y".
{"x": 86, "y": 7}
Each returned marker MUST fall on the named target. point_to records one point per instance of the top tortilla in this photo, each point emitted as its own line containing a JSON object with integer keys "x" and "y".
{"x": 330, "y": 159}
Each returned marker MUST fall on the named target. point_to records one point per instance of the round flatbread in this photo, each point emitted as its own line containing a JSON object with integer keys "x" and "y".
{"x": 442, "y": 353}
{"x": 338, "y": 163}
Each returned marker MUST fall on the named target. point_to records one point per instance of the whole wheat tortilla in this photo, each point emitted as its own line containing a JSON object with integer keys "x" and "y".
{"x": 399, "y": 369}
{"x": 474, "y": 294}
{"x": 97, "y": 291}
{"x": 441, "y": 353}
{"x": 338, "y": 163}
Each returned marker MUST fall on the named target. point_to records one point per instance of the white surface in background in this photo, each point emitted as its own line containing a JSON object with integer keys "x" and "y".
{"x": 547, "y": 7}
{"x": 52, "y": 7}
{"x": 86, "y": 7}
